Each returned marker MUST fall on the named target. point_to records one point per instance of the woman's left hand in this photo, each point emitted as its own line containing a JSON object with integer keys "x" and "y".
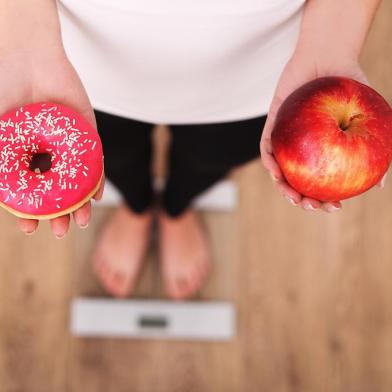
{"x": 302, "y": 68}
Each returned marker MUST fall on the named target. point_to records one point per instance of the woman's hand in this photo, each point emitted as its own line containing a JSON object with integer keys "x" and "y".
{"x": 300, "y": 69}
{"x": 27, "y": 76}
{"x": 327, "y": 46}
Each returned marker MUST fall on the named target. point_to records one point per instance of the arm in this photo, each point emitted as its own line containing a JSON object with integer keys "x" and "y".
{"x": 33, "y": 68}
{"x": 336, "y": 28}
{"x": 331, "y": 38}
{"x": 29, "y": 25}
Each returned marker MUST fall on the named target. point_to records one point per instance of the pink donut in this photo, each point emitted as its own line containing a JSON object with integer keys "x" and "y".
{"x": 51, "y": 161}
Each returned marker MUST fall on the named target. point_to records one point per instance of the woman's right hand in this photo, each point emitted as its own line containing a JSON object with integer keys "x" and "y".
{"x": 28, "y": 76}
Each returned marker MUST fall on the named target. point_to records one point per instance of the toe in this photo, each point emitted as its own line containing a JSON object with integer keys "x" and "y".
{"x": 120, "y": 249}
{"x": 206, "y": 269}
{"x": 181, "y": 286}
{"x": 183, "y": 283}
{"x": 98, "y": 263}
{"x": 173, "y": 284}
{"x": 117, "y": 282}
{"x": 103, "y": 272}
{"x": 120, "y": 287}
{"x": 109, "y": 282}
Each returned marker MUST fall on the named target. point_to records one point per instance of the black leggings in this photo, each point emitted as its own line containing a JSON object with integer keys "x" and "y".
{"x": 200, "y": 155}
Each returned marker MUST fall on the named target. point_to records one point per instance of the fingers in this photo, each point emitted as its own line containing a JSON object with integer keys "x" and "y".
{"x": 309, "y": 204}
{"x": 266, "y": 153}
{"x": 268, "y": 159}
{"x": 331, "y": 207}
{"x": 272, "y": 112}
{"x": 82, "y": 215}
{"x": 28, "y": 226}
{"x": 60, "y": 226}
{"x": 289, "y": 193}
{"x": 381, "y": 184}
{"x": 89, "y": 115}
{"x": 306, "y": 203}
{"x": 98, "y": 195}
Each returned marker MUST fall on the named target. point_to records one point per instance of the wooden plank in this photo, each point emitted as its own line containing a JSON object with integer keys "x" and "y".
{"x": 94, "y": 361}
{"x": 377, "y": 56}
{"x": 188, "y": 366}
{"x": 34, "y": 291}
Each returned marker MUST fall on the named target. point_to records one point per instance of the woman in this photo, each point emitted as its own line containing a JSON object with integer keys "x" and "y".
{"x": 208, "y": 69}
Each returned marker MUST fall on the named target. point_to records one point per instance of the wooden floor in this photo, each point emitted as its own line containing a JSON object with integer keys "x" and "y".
{"x": 313, "y": 292}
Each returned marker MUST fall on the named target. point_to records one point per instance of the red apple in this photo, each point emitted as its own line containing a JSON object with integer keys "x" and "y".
{"x": 333, "y": 138}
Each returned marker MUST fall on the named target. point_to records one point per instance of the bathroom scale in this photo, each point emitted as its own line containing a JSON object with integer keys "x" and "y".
{"x": 202, "y": 320}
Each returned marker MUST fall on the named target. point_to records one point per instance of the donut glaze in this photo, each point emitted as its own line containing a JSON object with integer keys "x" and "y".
{"x": 76, "y": 160}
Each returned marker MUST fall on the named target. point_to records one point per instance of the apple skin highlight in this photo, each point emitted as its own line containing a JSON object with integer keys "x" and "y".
{"x": 332, "y": 138}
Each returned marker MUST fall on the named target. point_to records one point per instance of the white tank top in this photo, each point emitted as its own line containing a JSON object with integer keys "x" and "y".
{"x": 180, "y": 61}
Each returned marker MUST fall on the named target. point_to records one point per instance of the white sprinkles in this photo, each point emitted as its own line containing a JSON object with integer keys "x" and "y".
{"x": 66, "y": 144}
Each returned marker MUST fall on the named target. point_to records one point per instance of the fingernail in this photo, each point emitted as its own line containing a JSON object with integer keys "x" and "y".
{"x": 59, "y": 237}
{"x": 30, "y": 232}
{"x": 84, "y": 226}
{"x": 308, "y": 207}
{"x": 333, "y": 209}
{"x": 273, "y": 177}
{"x": 383, "y": 180}
{"x": 290, "y": 200}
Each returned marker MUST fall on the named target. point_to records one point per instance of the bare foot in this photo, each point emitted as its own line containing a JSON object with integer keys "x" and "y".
{"x": 120, "y": 250}
{"x": 184, "y": 253}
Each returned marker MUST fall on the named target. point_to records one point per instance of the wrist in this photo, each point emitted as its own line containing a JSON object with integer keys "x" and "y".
{"x": 326, "y": 53}
{"x": 328, "y": 48}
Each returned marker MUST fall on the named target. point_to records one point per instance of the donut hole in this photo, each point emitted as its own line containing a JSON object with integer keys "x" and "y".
{"x": 40, "y": 162}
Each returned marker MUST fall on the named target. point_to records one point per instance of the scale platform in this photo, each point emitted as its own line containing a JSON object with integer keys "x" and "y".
{"x": 100, "y": 317}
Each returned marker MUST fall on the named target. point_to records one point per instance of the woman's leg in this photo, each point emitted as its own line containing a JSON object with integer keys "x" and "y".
{"x": 121, "y": 246}
{"x": 200, "y": 155}
{"x": 127, "y": 149}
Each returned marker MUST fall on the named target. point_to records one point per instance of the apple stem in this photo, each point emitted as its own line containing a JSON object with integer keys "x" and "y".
{"x": 358, "y": 116}
{"x": 344, "y": 125}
